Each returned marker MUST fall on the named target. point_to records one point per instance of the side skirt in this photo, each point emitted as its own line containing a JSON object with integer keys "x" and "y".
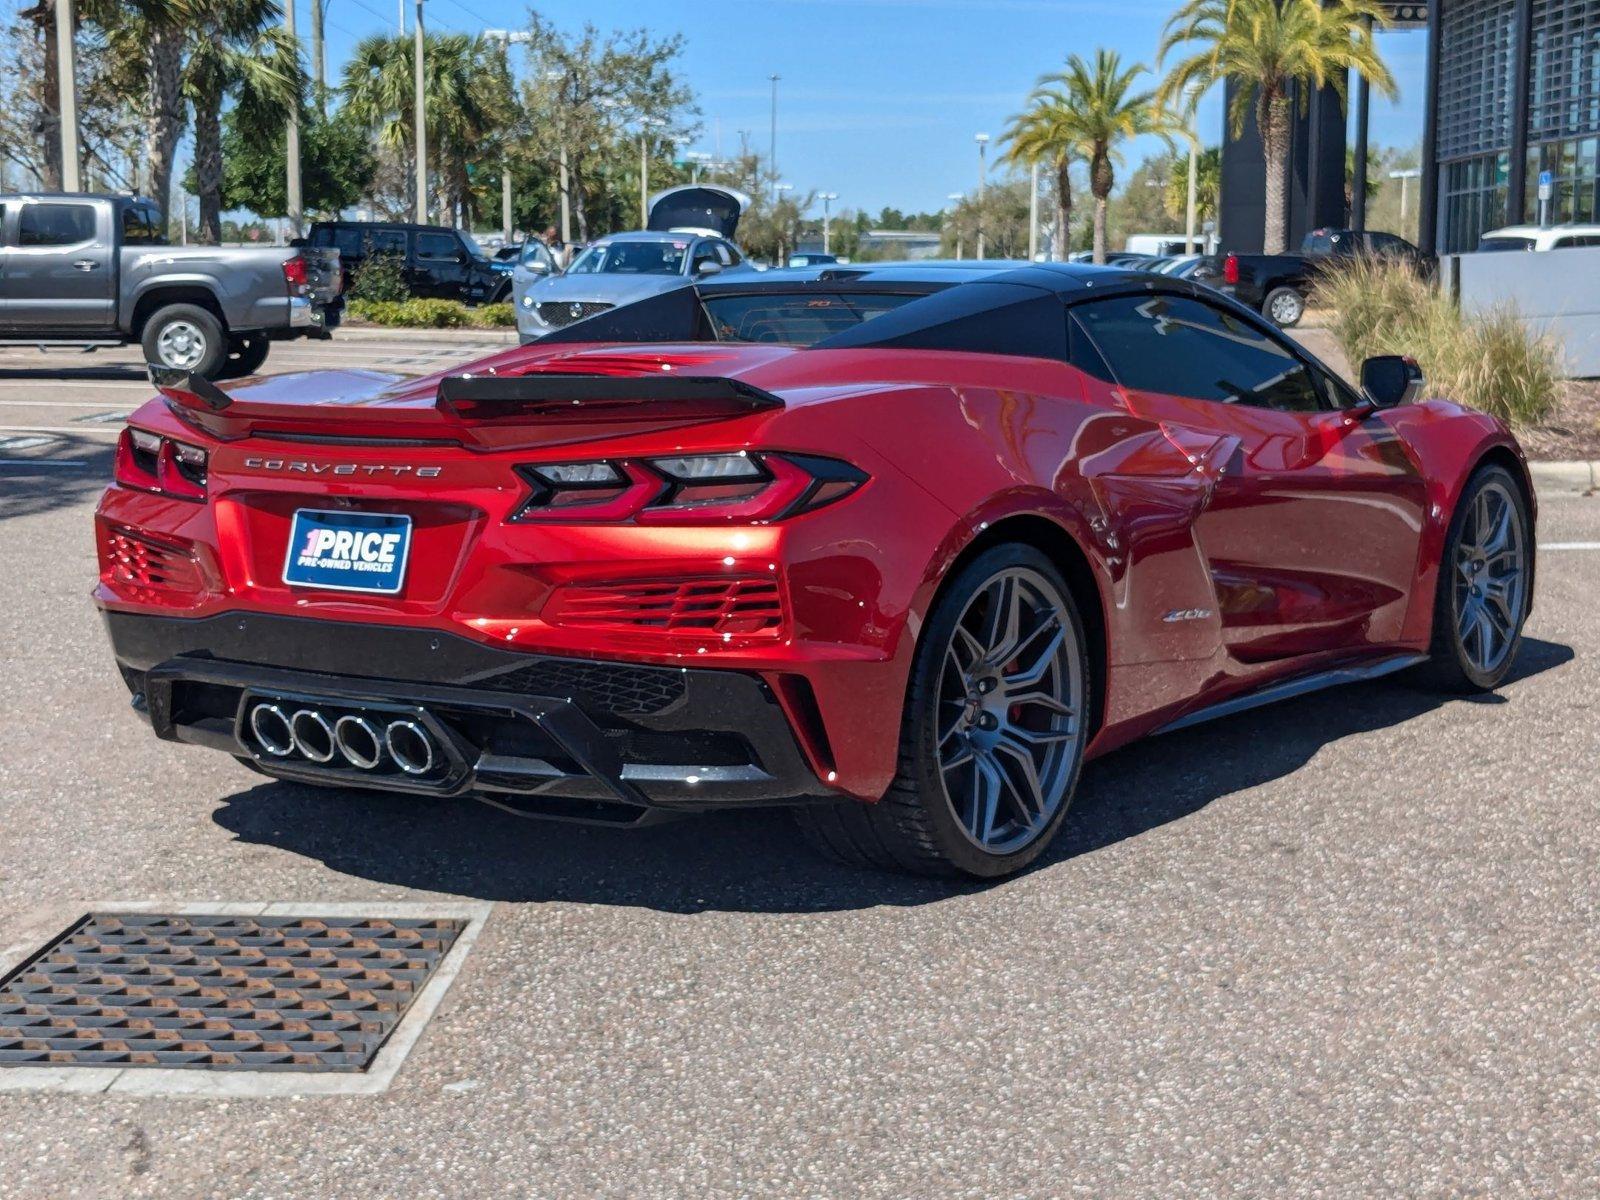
{"x": 1296, "y": 687}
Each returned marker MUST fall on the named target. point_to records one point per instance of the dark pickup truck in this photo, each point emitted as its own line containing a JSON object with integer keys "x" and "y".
{"x": 1276, "y": 285}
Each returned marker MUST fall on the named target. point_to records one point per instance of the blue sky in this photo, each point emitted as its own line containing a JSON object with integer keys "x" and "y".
{"x": 879, "y": 99}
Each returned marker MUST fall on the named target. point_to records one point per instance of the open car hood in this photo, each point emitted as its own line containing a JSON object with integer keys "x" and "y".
{"x": 700, "y": 208}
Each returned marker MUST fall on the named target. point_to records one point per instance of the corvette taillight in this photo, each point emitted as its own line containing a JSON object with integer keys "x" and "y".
{"x": 1230, "y": 269}
{"x": 153, "y": 463}
{"x": 693, "y": 488}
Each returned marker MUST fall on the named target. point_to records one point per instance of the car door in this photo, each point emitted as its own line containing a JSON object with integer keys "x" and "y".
{"x": 1312, "y": 529}
{"x": 440, "y": 265}
{"x": 59, "y": 271}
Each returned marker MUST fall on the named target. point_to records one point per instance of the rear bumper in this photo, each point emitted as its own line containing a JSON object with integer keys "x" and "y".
{"x": 548, "y": 735}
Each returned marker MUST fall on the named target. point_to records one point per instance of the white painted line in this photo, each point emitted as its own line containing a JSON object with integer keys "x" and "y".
{"x": 1569, "y": 545}
{"x": 26, "y": 443}
{"x": 95, "y": 404}
{"x": 80, "y": 430}
{"x": 168, "y": 1081}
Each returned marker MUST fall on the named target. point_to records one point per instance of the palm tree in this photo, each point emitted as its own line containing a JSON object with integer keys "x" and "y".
{"x": 466, "y": 91}
{"x": 1270, "y": 50}
{"x": 181, "y": 54}
{"x": 147, "y": 39}
{"x": 236, "y": 48}
{"x": 1041, "y": 134}
{"x": 1097, "y": 108}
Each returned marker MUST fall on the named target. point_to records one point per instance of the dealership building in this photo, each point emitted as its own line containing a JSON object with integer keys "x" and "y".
{"x": 1513, "y": 93}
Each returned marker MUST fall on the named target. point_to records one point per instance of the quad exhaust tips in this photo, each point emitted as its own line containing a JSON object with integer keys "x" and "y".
{"x": 362, "y": 743}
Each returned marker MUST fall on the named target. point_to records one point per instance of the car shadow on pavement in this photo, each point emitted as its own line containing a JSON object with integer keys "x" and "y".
{"x": 75, "y": 469}
{"x": 755, "y": 861}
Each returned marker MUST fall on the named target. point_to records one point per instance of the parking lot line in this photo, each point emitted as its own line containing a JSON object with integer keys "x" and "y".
{"x": 1570, "y": 546}
{"x": 85, "y": 430}
{"x": 42, "y": 462}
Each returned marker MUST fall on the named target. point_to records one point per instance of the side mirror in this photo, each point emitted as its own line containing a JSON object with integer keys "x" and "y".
{"x": 538, "y": 266}
{"x": 709, "y": 267}
{"x": 1388, "y": 380}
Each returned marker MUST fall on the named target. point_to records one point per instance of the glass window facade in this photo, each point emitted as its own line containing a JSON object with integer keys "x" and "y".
{"x": 1474, "y": 199}
{"x": 1474, "y": 138}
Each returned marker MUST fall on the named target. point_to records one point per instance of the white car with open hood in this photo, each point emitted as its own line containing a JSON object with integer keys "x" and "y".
{"x": 690, "y": 236}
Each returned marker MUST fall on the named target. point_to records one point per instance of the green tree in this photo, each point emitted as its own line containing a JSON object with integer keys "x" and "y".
{"x": 1046, "y": 133}
{"x": 1004, "y": 209}
{"x": 238, "y": 50}
{"x": 1374, "y": 180}
{"x": 1099, "y": 109}
{"x": 588, "y": 95}
{"x": 336, "y": 164}
{"x": 1273, "y": 50}
{"x": 468, "y": 96}
{"x": 1208, "y": 188}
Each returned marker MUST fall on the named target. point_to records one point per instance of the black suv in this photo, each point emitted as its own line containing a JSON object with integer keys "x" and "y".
{"x": 439, "y": 262}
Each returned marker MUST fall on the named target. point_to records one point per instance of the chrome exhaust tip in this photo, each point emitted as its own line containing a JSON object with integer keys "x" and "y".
{"x": 273, "y": 730}
{"x": 359, "y": 741}
{"x": 313, "y": 736}
{"x": 410, "y": 747}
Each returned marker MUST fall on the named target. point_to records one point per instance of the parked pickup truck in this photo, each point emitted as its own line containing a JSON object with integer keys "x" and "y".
{"x": 1277, "y": 284}
{"x": 88, "y": 270}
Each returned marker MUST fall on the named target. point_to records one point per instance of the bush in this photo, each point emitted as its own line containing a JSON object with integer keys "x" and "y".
{"x": 432, "y": 314}
{"x": 1490, "y": 361}
{"x": 380, "y": 278}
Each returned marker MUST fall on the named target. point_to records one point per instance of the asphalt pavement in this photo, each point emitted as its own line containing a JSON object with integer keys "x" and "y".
{"x": 1347, "y": 946}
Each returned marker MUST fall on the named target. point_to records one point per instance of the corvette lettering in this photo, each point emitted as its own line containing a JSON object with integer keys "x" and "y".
{"x": 292, "y": 466}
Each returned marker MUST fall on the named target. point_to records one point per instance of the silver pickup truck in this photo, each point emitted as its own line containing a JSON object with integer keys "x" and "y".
{"x": 88, "y": 270}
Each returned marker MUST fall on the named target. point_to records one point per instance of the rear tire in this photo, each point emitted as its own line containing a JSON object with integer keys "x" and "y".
{"x": 1485, "y": 575}
{"x": 245, "y": 356}
{"x": 992, "y": 735}
{"x": 186, "y": 337}
{"x": 1284, "y": 306}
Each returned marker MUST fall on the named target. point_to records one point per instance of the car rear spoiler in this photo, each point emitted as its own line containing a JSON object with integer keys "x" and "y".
{"x": 601, "y": 399}
{"x": 487, "y": 411}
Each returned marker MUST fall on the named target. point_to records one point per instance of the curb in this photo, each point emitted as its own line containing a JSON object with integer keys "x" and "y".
{"x": 380, "y": 333}
{"x": 1581, "y": 477}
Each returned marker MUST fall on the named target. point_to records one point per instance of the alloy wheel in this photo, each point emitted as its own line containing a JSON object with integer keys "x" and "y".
{"x": 181, "y": 344}
{"x": 1285, "y": 309}
{"x": 1491, "y": 571}
{"x": 1009, "y": 712}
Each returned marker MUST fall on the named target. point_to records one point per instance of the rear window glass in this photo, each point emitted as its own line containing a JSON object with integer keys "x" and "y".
{"x": 55, "y": 224}
{"x": 798, "y": 319}
{"x": 1505, "y": 243}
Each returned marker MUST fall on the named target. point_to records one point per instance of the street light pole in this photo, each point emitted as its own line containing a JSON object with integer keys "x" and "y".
{"x": 772, "y": 144}
{"x": 1405, "y": 177}
{"x": 955, "y": 198}
{"x": 292, "y": 141}
{"x": 644, "y": 167}
{"x": 1033, "y": 213}
{"x": 1192, "y": 204}
{"x": 983, "y": 177}
{"x": 420, "y": 123}
{"x": 827, "y": 199}
{"x": 67, "y": 82}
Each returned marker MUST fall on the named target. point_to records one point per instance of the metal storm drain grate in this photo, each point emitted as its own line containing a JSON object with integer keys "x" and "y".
{"x": 218, "y": 992}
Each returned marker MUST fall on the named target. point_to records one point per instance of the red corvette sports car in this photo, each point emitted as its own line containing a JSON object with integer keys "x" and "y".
{"x": 897, "y": 546}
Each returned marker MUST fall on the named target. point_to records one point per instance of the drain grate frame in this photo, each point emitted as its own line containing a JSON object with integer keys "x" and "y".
{"x": 203, "y": 992}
